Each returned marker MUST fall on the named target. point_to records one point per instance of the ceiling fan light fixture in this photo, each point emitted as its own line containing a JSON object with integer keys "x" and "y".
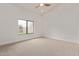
{"x": 43, "y": 7}
{"x": 41, "y": 4}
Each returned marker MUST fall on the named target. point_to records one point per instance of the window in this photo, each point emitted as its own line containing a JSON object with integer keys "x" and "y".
{"x": 30, "y": 27}
{"x": 25, "y": 27}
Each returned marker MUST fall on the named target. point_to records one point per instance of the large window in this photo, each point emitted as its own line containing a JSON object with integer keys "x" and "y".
{"x": 25, "y": 27}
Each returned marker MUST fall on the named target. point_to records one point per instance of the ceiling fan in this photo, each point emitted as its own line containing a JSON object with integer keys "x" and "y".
{"x": 45, "y": 8}
{"x": 43, "y": 5}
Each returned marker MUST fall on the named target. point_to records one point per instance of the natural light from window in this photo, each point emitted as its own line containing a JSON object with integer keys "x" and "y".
{"x": 25, "y": 27}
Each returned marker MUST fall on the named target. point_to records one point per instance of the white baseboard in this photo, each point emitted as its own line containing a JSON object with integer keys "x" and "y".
{"x": 54, "y": 38}
{"x": 18, "y": 41}
{"x": 47, "y": 37}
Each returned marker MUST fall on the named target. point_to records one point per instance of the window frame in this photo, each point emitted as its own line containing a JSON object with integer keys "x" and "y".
{"x": 27, "y": 27}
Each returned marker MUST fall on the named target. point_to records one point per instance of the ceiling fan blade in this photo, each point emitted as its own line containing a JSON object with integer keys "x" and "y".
{"x": 37, "y": 6}
{"x": 44, "y": 5}
{"x": 47, "y": 4}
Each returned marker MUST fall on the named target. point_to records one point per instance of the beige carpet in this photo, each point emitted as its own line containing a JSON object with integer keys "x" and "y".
{"x": 40, "y": 47}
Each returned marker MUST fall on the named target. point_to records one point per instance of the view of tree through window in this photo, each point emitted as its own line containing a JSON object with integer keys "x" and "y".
{"x": 25, "y": 27}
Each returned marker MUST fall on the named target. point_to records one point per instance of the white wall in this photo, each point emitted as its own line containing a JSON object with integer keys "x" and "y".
{"x": 9, "y": 14}
{"x": 62, "y": 23}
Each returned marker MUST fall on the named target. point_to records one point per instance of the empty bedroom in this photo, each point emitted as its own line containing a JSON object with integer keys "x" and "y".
{"x": 39, "y": 29}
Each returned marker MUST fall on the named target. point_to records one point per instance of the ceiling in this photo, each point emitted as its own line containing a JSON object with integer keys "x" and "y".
{"x": 31, "y": 7}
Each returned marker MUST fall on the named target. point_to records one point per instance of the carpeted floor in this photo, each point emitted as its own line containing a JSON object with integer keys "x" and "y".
{"x": 40, "y": 47}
